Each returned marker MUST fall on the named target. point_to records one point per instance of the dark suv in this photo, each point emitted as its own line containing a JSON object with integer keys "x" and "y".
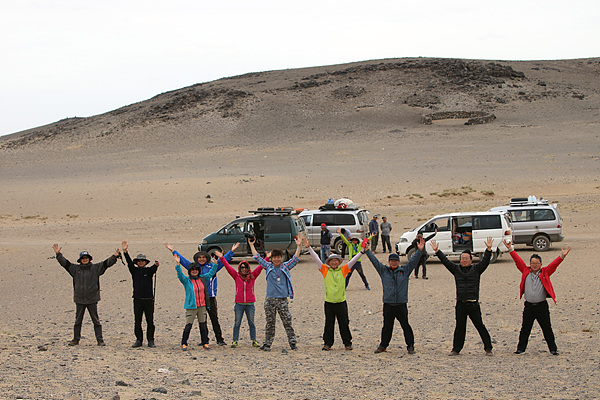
{"x": 274, "y": 228}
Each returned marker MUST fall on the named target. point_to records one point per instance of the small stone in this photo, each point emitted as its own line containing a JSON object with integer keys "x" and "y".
{"x": 160, "y": 390}
{"x": 121, "y": 383}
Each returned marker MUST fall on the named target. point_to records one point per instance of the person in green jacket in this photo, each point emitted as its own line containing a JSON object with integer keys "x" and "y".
{"x": 335, "y": 296}
{"x": 353, "y": 249}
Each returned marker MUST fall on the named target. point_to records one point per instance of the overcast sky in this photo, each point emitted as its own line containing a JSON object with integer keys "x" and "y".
{"x": 67, "y": 58}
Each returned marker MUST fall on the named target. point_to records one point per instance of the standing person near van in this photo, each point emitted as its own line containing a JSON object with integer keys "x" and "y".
{"x": 467, "y": 277}
{"x": 335, "y": 296}
{"x": 325, "y": 242}
{"x": 374, "y": 232}
{"x": 202, "y": 259}
{"x": 86, "y": 289}
{"x": 353, "y": 249}
{"x": 143, "y": 294}
{"x": 244, "y": 297}
{"x": 196, "y": 300}
{"x": 386, "y": 230}
{"x": 423, "y": 260}
{"x": 536, "y": 286}
{"x": 279, "y": 288}
{"x": 394, "y": 279}
{"x": 344, "y": 233}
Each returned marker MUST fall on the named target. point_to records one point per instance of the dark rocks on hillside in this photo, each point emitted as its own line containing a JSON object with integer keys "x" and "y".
{"x": 422, "y": 100}
{"x": 474, "y": 117}
{"x": 348, "y": 92}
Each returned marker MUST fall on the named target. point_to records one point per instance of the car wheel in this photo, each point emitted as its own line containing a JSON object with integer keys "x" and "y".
{"x": 411, "y": 252}
{"x": 494, "y": 257}
{"x": 541, "y": 243}
{"x": 337, "y": 245}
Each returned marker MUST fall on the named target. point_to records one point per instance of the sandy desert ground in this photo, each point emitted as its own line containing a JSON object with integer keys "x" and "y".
{"x": 93, "y": 193}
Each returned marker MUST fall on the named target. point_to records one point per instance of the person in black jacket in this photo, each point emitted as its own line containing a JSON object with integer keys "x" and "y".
{"x": 86, "y": 288}
{"x": 143, "y": 295}
{"x": 467, "y": 277}
{"x": 423, "y": 259}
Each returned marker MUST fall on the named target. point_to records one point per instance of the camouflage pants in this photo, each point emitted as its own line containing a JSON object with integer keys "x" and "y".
{"x": 272, "y": 307}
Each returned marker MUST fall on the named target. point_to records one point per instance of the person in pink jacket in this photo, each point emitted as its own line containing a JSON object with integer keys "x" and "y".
{"x": 536, "y": 286}
{"x": 244, "y": 297}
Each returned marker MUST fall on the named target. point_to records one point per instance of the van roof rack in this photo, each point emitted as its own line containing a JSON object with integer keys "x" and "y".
{"x": 524, "y": 201}
{"x": 273, "y": 210}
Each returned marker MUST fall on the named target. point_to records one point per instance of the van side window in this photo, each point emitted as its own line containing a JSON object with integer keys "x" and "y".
{"x": 277, "y": 225}
{"x": 520, "y": 215}
{"x": 344, "y": 219}
{"x": 543, "y": 215}
{"x": 487, "y": 222}
{"x": 440, "y": 223}
{"x": 307, "y": 219}
{"x": 319, "y": 219}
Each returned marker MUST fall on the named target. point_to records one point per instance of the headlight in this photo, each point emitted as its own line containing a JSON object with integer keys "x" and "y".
{"x": 403, "y": 240}
{"x": 204, "y": 241}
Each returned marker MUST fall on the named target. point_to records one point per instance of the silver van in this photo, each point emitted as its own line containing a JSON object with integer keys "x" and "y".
{"x": 535, "y": 222}
{"x": 460, "y": 231}
{"x": 356, "y": 221}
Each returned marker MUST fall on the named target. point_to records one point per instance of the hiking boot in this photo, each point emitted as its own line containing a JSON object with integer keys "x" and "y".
{"x": 453, "y": 353}
{"x": 519, "y": 351}
{"x": 349, "y": 347}
{"x": 206, "y": 346}
{"x": 73, "y": 342}
{"x": 489, "y": 353}
{"x": 380, "y": 350}
{"x": 151, "y": 343}
{"x": 221, "y": 343}
{"x": 368, "y": 287}
{"x": 326, "y": 348}
{"x": 293, "y": 346}
{"x": 255, "y": 343}
{"x": 184, "y": 347}
{"x": 101, "y": 342}
{"x": 138, "y": 343}
{"x": 425, "y": 277}
{"x": 554, "y": 352}
{"x": 264, "y": 347}
{"x": 410, "y": 349}
{"x": 234, "y": 344}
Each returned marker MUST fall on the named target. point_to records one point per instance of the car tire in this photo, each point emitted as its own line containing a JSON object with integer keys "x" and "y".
{"x": 337, "y": 245}
{"x": 411, "y": 252}
{"x": 541, "y": 243}
{"x": 494, "y": 257}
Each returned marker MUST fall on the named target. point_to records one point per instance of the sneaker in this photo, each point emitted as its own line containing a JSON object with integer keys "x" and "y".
{"x": 206, "y": 346}
{"x": 255, "y": 343}
{"x": 425, "y": 277}
{"x": 416, "y": 277}
{"x": 453, "y": 353}
{"x": 410, "y": 349}
{"x": 293, "y": 346}
{"x": 519, "y": 351}
{"x": 326, "y": 348}
{"x": 184, "y": 347}
{"x": 489, "y": 353}
{"x": 554, "y": 352}
{"x": 138, "y": 343}
{"x": 264, "y": 347}
{"x": 349, "y": 347}
{"x": 380, "y": 350}
{"x": 73, "y": 342}
{"x": 101, "y": 342}
{"x": 234, "y": 344}
{"x": 368, "y": 287}
{"x": 151, "y": 343}
{"x": 221, "y": 343}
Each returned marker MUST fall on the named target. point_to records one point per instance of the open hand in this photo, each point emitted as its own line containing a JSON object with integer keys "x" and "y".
{"x": 566, "y": 251}
{"x": 489, "y": 242}
{"x": 56, "y": 248}
{"x": 435, "y": 246}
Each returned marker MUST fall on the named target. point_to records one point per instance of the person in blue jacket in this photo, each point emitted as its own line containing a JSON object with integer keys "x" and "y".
{"x": 394, "y": 279}
{"x": 202, "y": 258}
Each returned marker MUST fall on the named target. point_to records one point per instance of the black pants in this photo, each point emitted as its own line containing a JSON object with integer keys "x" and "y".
{"x": 358, "y": 268}
{"x": 374, "y": 241}
{"x": 141, "y": 307}
{"x": 472, "y": 310}
{"x": 531, "y": 312}
{"x": 213, "y": 313}
{"x": 392, "y": 312}
{"x": 344, "y": 247}
{"x": 93, "y": 311}
{"x": 385, "y": 240}
{"x": 339, "y": 311}
{"x": 203, "y": 333}
{"x": 423, "y": 262}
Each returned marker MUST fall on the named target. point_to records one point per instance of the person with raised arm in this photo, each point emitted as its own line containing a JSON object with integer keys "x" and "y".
{"x": 536, "y": 287}
{"x": 467, "y": 277}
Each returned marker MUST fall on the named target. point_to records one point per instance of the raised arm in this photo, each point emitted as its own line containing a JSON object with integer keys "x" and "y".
{"x": 251, "y": 244}
{"x": 414, "y": 260}
{"x": 450, "y": 266}
{"x": 298, "y": 241}
{"x": 485, "y": 262}
{"x": 315, "y": 257}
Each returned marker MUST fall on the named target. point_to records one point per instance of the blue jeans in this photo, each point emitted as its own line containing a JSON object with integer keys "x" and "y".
{"x": 240, "y": 309}
{"x": 324, "y": 253}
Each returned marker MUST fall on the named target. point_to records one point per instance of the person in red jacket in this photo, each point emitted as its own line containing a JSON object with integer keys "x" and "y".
{"x": 536, "y": 286}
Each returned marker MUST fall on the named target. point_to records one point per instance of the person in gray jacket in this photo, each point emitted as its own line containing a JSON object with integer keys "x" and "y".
{"x": 394, "y": 280}
{"x": 86, "y": 288}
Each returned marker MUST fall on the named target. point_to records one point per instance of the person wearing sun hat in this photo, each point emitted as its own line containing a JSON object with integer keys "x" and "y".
{"x": 354, "y": 247}
{"x": 394, "y": 279}
{"x": 86, "y": 288}
{"x": 336, "y": 306}
{"x": 142, "y": 274}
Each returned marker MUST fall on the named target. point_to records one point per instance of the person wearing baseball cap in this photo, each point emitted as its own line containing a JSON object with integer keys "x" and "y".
{"x": 394, "y": 279}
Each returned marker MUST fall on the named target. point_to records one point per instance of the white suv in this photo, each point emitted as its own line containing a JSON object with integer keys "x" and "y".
{"x": 535, "y": 222}
{"x": 354, "y": 220}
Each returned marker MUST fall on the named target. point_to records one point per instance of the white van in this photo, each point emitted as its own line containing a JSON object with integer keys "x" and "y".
{"x": 460, "y": 231}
